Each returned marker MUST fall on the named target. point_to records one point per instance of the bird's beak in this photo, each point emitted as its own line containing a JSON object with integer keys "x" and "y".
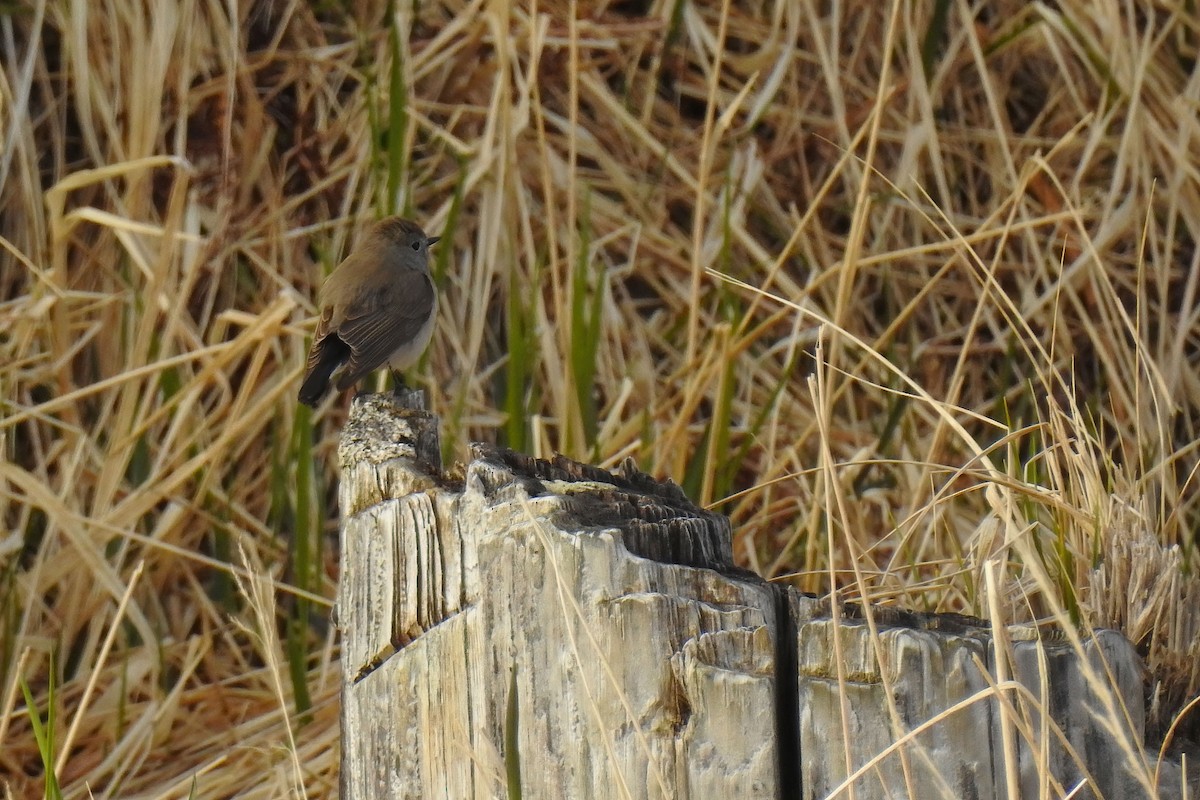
{"x": 432, "y": 240}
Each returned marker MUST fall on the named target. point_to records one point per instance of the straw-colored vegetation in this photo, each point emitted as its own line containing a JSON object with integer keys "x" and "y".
{"x": 913, "y": 298}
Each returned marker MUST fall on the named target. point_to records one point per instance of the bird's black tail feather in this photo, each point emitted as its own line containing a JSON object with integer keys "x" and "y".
{"x": 333, "y": 352}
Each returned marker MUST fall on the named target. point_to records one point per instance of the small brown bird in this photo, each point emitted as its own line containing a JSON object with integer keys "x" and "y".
{"x": 378, "y": 307}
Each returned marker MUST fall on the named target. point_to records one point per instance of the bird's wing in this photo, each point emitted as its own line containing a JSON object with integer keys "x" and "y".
{"x": 382, "y": 321}
{"x": 320, "y": 340}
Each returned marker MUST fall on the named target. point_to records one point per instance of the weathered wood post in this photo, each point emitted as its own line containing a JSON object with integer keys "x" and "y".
{"x": 642, "y": 663}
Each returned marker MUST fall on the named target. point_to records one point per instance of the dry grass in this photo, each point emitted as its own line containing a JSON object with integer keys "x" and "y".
{"x": 909, "y": 329}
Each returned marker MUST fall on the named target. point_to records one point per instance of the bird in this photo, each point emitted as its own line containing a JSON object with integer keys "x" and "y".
{"x": 377, "y": 307}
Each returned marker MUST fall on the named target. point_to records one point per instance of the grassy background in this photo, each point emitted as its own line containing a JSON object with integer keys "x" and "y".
{"x": 908, "y": 290}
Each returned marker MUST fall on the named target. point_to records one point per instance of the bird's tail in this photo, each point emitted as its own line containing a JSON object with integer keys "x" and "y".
{"x": 316, "y": 382}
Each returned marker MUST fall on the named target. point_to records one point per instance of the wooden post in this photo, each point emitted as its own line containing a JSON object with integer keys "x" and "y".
{"x": 641, "y": 663}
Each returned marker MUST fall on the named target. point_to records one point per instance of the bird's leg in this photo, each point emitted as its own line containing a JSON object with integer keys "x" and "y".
{"x": 398, "y": 384}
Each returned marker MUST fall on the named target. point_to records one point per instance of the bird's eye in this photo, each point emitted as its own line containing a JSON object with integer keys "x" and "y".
{"x": 416, "y": 245}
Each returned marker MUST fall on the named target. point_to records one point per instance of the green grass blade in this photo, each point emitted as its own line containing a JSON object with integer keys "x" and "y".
{"x": 512, "y": 743}
{"x": 587, "y": 298}
{"x": 43, "y": 733}
{"x": 397, "y": 116}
